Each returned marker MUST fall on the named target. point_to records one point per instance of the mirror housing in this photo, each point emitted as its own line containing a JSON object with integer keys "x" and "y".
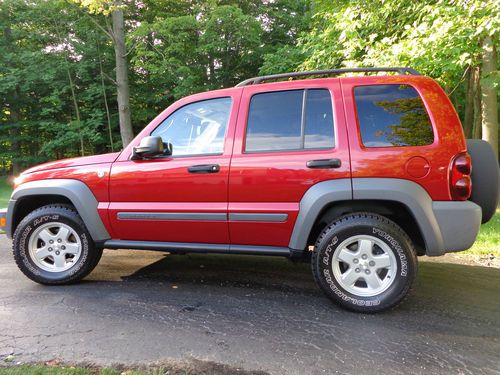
{"x": 150, "y": 147}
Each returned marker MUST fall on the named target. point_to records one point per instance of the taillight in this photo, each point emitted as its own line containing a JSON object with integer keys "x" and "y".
{"x": 460, "y": 182}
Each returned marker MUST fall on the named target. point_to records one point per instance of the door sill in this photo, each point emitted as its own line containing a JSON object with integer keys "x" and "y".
{"x": 186, "y": 247}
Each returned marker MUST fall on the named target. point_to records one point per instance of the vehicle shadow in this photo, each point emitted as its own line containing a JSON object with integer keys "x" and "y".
{"x": 446, "y": 288}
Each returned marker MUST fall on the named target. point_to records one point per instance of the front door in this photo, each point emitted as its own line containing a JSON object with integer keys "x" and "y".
{"x": 182, "y": 197}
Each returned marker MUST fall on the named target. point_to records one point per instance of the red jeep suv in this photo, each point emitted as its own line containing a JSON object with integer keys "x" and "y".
{"x": 360, "y": 174}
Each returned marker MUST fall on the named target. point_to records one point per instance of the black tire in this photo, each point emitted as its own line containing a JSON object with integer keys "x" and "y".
{"x": 485, "y": 177}
{"x": 65, "y": 214}
{"x": 385, "y": 233}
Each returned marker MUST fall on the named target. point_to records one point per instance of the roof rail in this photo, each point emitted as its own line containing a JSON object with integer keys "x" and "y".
{"x": 256, "y": 80}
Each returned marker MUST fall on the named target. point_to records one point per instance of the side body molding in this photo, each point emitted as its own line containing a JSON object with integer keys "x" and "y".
{"x": 311, "y": 204}
{"x": 76, "y": 191}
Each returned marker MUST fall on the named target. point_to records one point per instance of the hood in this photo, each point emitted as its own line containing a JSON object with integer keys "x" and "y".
{"x": 74, "y": 162}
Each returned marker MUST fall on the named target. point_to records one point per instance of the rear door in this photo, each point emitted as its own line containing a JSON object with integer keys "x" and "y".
{"x": 289, "y": 137}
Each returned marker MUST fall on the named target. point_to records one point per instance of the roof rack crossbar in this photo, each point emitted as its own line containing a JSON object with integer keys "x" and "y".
{"x": 256, "y": 80}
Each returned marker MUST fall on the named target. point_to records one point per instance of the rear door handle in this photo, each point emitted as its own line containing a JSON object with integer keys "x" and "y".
{"x": 324, "y": 163}
{"x": 204, "y": 168}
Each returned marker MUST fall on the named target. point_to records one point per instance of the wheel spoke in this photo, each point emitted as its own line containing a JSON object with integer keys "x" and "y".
{"x": 350, "y": 277}
{"x": 59, "y": 261}
{"x": 63, "y": 233}
{"x": 373, "y": 281}
{"x": 365, "y": 246}
{"x": 72, "y": 248}
{"x": 346, "y": 256}
{"x": 382, "y": 261}
{"x": 45, "y": 235}
{"x": 42, "y": 253}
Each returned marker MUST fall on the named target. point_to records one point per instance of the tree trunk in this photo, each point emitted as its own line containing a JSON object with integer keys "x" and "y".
{"x": 489, "y": 105}
{"x": 477, "y": 104}
{"x": 77, "y": 110}
{"x": 123, "y": 90}
{"x": 469, "y": 102}
{"x": 103, "y": 87}
{"x": 15, "y": 117}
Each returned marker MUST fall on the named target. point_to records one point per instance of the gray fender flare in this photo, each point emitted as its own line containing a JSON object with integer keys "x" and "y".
{"x": 409, "y": 193}
{"x": 413, "y": 196}
{"x": 311, "y": 204}
{"x": 78, "y": 194}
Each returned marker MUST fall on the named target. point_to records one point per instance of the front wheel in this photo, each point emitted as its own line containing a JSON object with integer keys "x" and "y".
{"x": 51, "y": 245}
{"x": 364, "y": 262}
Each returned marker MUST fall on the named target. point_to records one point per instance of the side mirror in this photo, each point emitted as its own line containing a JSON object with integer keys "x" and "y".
{"x": 151, "y": 147}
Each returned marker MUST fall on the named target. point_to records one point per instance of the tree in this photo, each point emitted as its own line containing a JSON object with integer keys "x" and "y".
{"x": 447, "y": 40}
{"x": 116, "y": 32}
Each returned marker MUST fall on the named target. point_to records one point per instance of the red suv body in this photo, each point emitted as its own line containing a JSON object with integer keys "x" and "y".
{"x": 278, "y": 169}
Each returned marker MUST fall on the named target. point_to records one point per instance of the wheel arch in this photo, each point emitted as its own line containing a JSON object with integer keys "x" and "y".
{"x": 403, "y": 201}
{"x": 32, "y": 195}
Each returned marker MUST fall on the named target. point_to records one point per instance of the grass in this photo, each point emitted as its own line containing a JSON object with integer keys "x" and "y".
{"x": 5, "y": 191}
{"x": 488, "y": 241}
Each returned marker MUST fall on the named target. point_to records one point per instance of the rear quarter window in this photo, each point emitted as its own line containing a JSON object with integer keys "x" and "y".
{"x": 391, "y": 116}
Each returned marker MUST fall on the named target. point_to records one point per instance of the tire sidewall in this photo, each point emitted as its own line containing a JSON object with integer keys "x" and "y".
{"x": 328, "y": 245}
{"x": 21, "y": 245}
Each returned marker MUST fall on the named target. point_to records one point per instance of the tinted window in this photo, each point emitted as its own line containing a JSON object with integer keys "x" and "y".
{"x": 392, "y": 115}
{"x": 279, "y": 121}
{"x": 318, "y": 120}
{"x": 197, "y": 128}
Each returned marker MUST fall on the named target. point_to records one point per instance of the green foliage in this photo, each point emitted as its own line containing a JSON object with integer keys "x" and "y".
{"x": 488, "y": 241}
{"x": 51, "y": 54}
{"x": 52, "y": 50}
{"x": 5, "y": 192}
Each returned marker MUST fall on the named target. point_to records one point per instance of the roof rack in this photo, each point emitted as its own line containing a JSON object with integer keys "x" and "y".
{"x": 256, "y": 80}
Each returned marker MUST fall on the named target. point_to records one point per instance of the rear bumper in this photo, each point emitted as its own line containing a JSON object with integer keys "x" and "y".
{"x": 459, "y": 224}
{"x": 3, "y": 219}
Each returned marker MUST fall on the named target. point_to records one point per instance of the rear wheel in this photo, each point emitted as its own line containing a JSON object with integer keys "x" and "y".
{"x": 364, "y": 262}
{"x": 52, "y": 246}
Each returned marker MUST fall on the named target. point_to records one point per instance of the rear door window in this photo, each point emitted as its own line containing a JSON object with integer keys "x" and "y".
{"x": 290, "y": 120}
{"x": 392, "y": 115}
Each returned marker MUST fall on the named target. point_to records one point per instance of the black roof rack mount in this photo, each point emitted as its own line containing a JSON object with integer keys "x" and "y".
{"x": 256, "y": 80}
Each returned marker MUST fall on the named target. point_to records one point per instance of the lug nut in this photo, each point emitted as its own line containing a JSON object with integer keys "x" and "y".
{"x": 367, "y": 272}
{"x": 51, "y": 241}
{"x": 59, "y": 240}
{"x": 58, "y": 252}
{"x": 357, "y": 269}
{"x": 364, "y": 256}
{"x": 356, "y": 260}
{"x": 372, "y": 263}
{"x": 63, "y": 247}
{"x": 50, "y": 249}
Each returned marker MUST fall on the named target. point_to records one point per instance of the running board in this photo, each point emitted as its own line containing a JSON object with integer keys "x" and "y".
{"x": 174, "y": 247}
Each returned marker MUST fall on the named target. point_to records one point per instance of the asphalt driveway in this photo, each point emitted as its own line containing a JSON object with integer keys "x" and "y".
{"x": 255, "y": 313}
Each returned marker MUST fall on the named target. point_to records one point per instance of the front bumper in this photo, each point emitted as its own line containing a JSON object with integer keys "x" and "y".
{"x": 459, "y": 224}
{"x": 3, "y": 219}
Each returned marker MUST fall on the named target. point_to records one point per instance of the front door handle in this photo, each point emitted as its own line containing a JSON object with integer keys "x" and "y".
{"x": 324, "y": 163}
{"x": 204, "y": 168}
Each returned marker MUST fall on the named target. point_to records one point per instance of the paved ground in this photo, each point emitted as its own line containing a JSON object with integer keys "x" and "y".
{"x": 255, "y": 313}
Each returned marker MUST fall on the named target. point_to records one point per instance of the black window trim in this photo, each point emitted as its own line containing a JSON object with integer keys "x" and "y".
{"x": 360, "y": 138}
{"x": 196, "y": 155}
{"x": 302, "y": 123}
